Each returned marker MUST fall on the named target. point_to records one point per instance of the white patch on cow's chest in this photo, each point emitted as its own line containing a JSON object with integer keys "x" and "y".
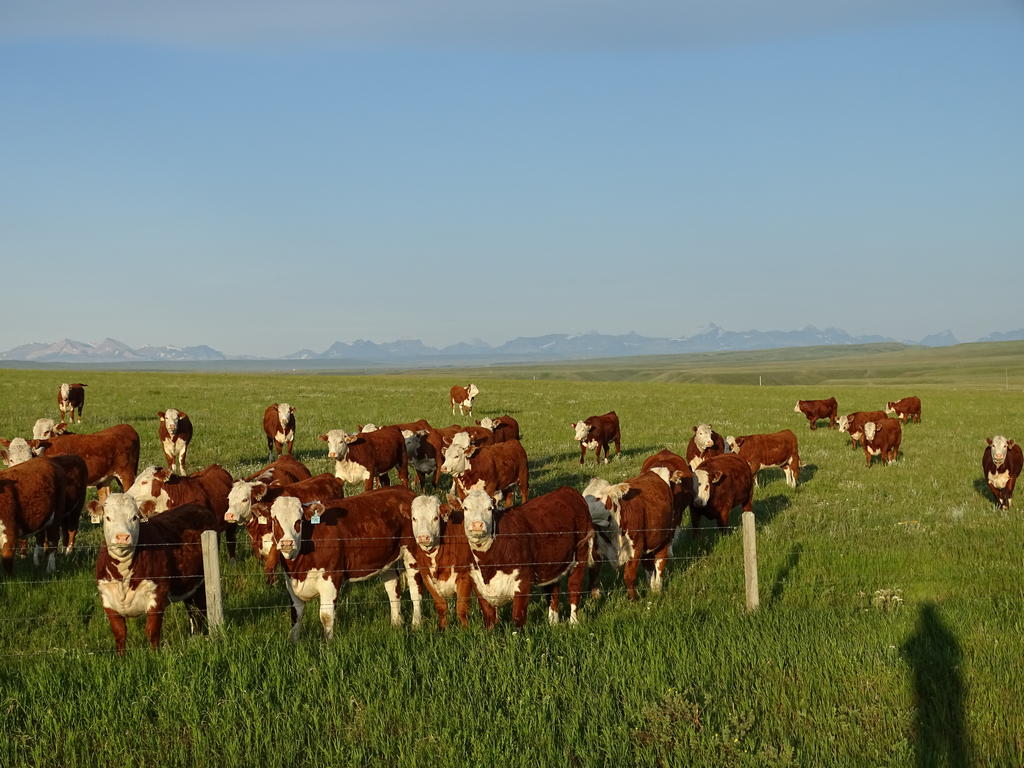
{"x": 118, "y": 597}
{"x": 284, "y": 437}
{"x": 311, "y": 586}
{"x": 445, "y": 587}
{"x": 695, "y": 462}
{"x": 501, "y": 588}
{"x": 874, "y": 451}
{"x": 591, "y": 444}
{"x": 351, "y": 472}
{"x": 266, "y": 542}
{"x": 174, "y": 447}
{"x": 998, "y": 479}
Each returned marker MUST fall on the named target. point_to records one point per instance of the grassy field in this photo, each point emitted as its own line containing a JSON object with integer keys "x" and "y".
{"x": 890, "y": 627}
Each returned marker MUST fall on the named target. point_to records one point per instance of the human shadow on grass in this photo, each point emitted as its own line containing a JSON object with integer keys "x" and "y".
{"x": 935, "y": 659}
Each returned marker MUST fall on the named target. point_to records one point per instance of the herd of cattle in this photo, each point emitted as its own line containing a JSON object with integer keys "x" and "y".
{"x": 472, "y": 541}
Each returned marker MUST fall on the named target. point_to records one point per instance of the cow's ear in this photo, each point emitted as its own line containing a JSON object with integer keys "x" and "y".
{"x": 359, "y": 427}
{"x": 314, "y": 507}
{"x": 39, "y": 446}
{"x": 323, "y": 437}
{"x": 292, "y": 409}
{"x": 95, "y": 511}
{"x": 259, "y": 490}
{"x": 4, "y": 455}
{"x": 677, "y": 476}
{"x": 454, "y": 503}
{"x": 472, "y": 450}
{"x": 351, "y": 439}
{"x": 987, "y": 440}
{"x": 160, "y": 415}
{"x": 695, "y": 429}
{"x": 8, "y": 442}
{"x": 162, "y": 474}
{"x": 61, "y": 428}
{"x": 716, "y": 478}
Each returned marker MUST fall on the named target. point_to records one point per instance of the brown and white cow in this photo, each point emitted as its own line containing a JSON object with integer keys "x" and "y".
{"x": 462, "y": 398}
{"x": 596, "y": 432}
{"x": 882, "y": 438}
{"x": 818, "y": 409}
{"x": 502, "y": 428}
{"x": 283, "y": 470}
{"x": 32, "y": 500}
{"x": 71, "y": 398}
{"x": 775, "y": 449}
{"x": 704, "y": 444}
{"x": 853, "y": 424}
{"x": 279, "y": 427}
{"x": 368, "y": 456}
{"x": 721, "y": 484}
{"x": 673, "y": 462}
{"x": 46, "y": 428}
{"x": 1001, "y": 463}
{"x": 533, "y": 545}
{"x": 908, "y": 409}
{"x": 174, "y": 434}
{"x": 354, "y": 539}
{"x": 424, "y": 447}
{"x": 110, "y": 454}
{"x": 143, "y": 568}
{"x": 442, "y": 559}
{"x": 495, "y": 469}
{"x": 635, "y": 523}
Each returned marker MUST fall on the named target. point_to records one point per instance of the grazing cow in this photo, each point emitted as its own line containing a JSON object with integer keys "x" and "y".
{"x": 354, "y": 539}
{"x": 818, "y": 409}
{"x": 496, "y": 469}
{"x": 279, "y": 426}
{"x": 721, "y": 484}
{"x": 882, "y": 438}
{"x": 704, "y": 444}
{"x": 1001, "y": 462}
{"x": 285, "y": 469}
{"x": 908, "y": 409}
{"x": 111, "y": 453}
{"x": 174, "y": 433}
{"x": 32, "y": 500}
{"x": 142, "y": 568}
{"x": 853, "y": 424}
{"x": 442, "y": 559}
{"x": 596, "y": 432}
{"x": 366, "y": 456}
{"x": 636, "y": 522}
{"x": 462, "y": 398}
{"x": 46, "y": 428}
{"x": 502, "y": 428}
{"x": 776, "y": 449}
{"x": 533, "y": 545}
{"x": 71, "y": 397}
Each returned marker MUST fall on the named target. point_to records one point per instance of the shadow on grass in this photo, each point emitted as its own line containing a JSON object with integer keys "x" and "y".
{"x": 765, "y": 510}
{"x": 935, "y": 658}
{"x": 982, "y": 489}
{"x": 779, "y": 583}
{"x": 806, "y": 473}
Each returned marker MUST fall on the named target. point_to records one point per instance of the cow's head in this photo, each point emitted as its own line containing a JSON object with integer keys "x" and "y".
{"x": 703, "y": 480}
{"x": 148, "y": 490}
{"x": 240, "y": 500}
{"x": 890, "y": 407}
{"x": 170, "y": 419}
{"x": 284, "y": 412}
{"x": 457, "y": 455}
{"x": 702, "y": 437}
{"x": 870, "y": 430}
{"x": 15, "y": 451}
{"x": 478, "y": 519}
{"x": 582, "y": 430}
{"x": 338, "y": 441}
{"x": 287, "y": 520}
{"x": 44, "y": 428}
{"x": 472, "y": 391}
{"x": 487, "y": 423}
{"x": 1000, "y": 446}
{"x": 121, "y": 520}
{"x": 413, "y": 441}
{"x": 426, "y": 522}
{"x": 65, "y": 391}
{"x": 603, "y": 500}
{"x": 844, "y": 423}
{"x": 732, "y": 444}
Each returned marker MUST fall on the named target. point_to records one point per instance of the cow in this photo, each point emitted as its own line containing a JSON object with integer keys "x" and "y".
{"x": 32, "y": 500}
{"x": 776, "y": 449}
{"x": 721, "y": 484}
{"x": 502, "y": 428}
{"x": 283, "y": 470}
{"x": 462, "y": 398}
{"x": 157, "y": 490}
{"x": 71, "y": 397}
{"x": 110, "y": 454}
{"x": 442, "y": 560}
{"x": 174, "y": 434}
{"x": 368, "y": 456}
{"x": 673, "y": 462}
{"x": 1001, "y": 463}
{"x": 142, "y": 568}
{"x": 76, "y": 475}
{"x": 635, "y": 522}
{"x": 279, "y": 427}
{"x": 908, "y": 409}
{"x": 532, "y": 545}
{"x": 882, "y": 438}
{"x": 853, "y": 424}
{"x": 477, "y": 435}
{"x": 45, "y": 428}
{"x": 496, "y": 469}
{"x": 704, "y": 444}
{"x": 424, "y": 447}
{"x": 818, "y": 409}
{"x": 596, "y": 432}
{"x": 354, "y": 539}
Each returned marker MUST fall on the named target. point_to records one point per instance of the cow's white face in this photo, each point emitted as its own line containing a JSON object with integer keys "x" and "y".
{"x": 121, "y": 519}
{"x": 426, "y": 522}
{"x": 472, "y": 391}
{"x": 730, "y": 445}
{"x": 43, "y": 429}
{"x": 65, "y": 390}
{"x": 890, "y": 408}
{"x": 148, "y": 487}
{"x": 456, "y": 460}
{"x": 701, "y": 487}
{"x": 337, "y": 444}
{"x": 487, "y": 423}
{"x": 702, "y": 437}
{"x": 283, "y": 412}
{"x": 582, "y": 430}
{"x": 171, "y": 417}
{"x": 1000, "y": 445}
{"x": 478, "y": 518}
{"x": 796, "y": 408}
{"x": 287, "y": 519}
{"x": 17, "y": 452}
{"x": 844, "y": 424}
{"x": 240, "y": 501}
{"x": 870, "y": 429}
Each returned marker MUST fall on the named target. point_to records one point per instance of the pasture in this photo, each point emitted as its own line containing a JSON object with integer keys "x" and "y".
{"x": 892, "y": 602}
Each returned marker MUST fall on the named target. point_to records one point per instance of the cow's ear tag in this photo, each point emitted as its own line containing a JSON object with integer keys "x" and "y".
{"x": 315, "y": 519}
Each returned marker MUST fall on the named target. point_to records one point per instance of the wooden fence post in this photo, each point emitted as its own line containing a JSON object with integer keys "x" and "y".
{"x": 211, "y": 581}
{"x": 750, "y": 561}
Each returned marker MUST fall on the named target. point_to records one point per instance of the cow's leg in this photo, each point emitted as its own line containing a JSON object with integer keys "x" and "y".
{"x": 368, "y": 484}
{"x": 391, "y": 582}
{"x": 553, "y": 591}
{"x": 577, "y": 575}
{"x": 629, "y": 576}
{"x": 231, "y": 535}
{"x": 195, "y": 605}
{"x": 181, "y": 459}
{"x": 618, "y": 444}
{"x": 298, "y": 608}
{"x": 119, "y": 627}
{"x": 271, "y": 444}
{"x": 583, "y": 452}
{"x": 463, "y": 589}
{"x": 521, "y": 602}
{"x": 385, "y": 479}
{"x": 51, "y": 541}
{"x": 155, "y": 623}
{"x": 403, "y": 470}
{"x": 328, "y": 598}
{"x": 414, "y": 584}
{"x": 660, "y": 565}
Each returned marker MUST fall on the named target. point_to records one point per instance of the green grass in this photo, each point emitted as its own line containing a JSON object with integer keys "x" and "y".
{"x": 890, "y": 621}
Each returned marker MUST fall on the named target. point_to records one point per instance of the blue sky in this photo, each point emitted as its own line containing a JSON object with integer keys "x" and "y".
{"x": 262, "y": 180}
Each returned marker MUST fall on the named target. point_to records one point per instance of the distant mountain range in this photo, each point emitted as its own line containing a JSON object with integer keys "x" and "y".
{"x": 555, "y": 346}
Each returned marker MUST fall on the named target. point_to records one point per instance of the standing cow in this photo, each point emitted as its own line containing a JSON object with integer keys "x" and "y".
{"x": 908, "y": 409}
{"x": 596, "y": 432}
{"x": 71, "y": 398}
{"x": 704, "y": 444}
{"x": 853, "y": 424}
{"x": 462, "y": 398}
{"x": 882, "y": 438}
{"x": 175, "y": 434}
{"x": 1001, "y": 462}
{"x": 776, "y": 449}
{"x": 279, "y": 427}
{"x": 818, "y": 409}
{"x": 721, "y": 484}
